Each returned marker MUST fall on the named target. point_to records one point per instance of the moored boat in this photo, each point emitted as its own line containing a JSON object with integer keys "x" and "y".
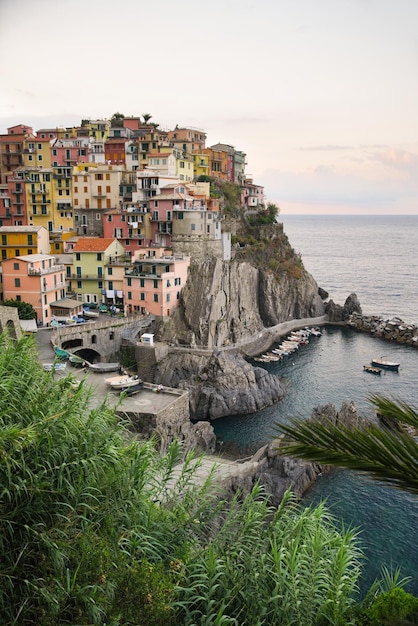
{"x": 387, "y": 365}
{"x": 372, "y": 370}
{"x": 60, "y": 353}
{"x": 122, "y": 382}
{"x": 103, "y": 368}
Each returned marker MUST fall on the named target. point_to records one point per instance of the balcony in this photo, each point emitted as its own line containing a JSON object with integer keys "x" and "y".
{"x": 87, "y": 277}
{"x": 42, "y": 271}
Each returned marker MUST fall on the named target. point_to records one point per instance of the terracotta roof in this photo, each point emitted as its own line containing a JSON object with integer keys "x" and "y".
{"x": 92, "y": 244}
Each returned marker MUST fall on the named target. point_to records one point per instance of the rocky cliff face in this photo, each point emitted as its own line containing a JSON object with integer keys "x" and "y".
{"x": 220, "y": 384}
{"x": 226, "y": 302}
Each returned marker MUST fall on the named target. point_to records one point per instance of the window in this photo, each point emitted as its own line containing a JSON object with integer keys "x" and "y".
{"x": 155, "y": 297}
{"x": 17, "y": 282}
{"x": 100, "y": 284}
{"x": 167, "y": 298}
{"x": 79, "y": 284}
{"x": 110, "y": 271}
{"x": 99, "y": 256}
{"x": 129, "y": 282}
{"x": 129, "y": 295}
{"x": 193, "y": 226}
{"x": 77, "y": 256}
{"x": 17, "y": 252}
{"x": 110, "y": 286}
{"x": 142, "y": 296}
{"x": 142, "y": 282}
{"x": 100, "y": 272}
{"x": 15, "y": 266}
{"x": 155, "y": 284}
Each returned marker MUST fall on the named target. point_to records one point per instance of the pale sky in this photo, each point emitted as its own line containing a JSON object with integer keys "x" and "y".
{"x": 322, "y": 95}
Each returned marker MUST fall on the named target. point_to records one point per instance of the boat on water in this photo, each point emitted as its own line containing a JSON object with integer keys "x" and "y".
{"x": 122, "y": 382}
{"x": 372, "y": 370}
{"x": 387, "y": 365}
{"x": 103, "y": 368}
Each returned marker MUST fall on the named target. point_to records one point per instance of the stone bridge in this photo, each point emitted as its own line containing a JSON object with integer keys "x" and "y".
{"x": 101, "y": 340}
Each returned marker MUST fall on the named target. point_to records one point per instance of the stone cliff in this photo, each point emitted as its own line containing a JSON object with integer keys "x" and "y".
{"x": 226, "y": 304}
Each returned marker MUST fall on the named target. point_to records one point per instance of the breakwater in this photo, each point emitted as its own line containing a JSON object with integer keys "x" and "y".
{"x": 394, "y": 329}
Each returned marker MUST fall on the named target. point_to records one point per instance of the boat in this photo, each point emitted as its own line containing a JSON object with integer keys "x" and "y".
{"x": 387, "y": 365}
{"x": 130, "y": 391}
{"x": 103, "y": 368}
{"x": 122, "y": 382}
{"x": 372, "y": 370}
{"x": 88, "y": 313}
{"x": 76, "y": 360}
{"x": 60, "y": 353}
{"x": 57, "y": 366}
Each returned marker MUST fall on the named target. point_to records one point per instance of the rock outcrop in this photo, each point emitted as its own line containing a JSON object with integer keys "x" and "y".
{"x": 391, "y": 330}
{"x": 277, "y": 473}
{"x": 220, "y": 383}
{"x": 337, "y": 313}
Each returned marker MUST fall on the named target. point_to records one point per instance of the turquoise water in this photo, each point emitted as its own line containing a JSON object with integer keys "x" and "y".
{"x": 347, "y": 254}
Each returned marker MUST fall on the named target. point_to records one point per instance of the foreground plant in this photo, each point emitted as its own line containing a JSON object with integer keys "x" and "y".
{"x": 98, "y": 529}
{"x": 388, "y": 453}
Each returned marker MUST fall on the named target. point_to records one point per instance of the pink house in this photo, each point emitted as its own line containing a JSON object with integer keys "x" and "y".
{"x": 154, "y": 283}
{"x": 130, "y": 227}
{"x": 172, "y": 198}
{"x": 36, "y": 279}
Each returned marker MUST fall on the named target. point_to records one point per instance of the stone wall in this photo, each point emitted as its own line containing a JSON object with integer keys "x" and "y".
{"x": 173, "y": 422}
{"x": 9, "y": 318}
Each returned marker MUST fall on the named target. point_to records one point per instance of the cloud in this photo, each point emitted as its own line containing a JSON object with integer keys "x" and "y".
{"x": 324, "y": 186}
{"x": 398, "y": 159}
{"x": 326, "y": 148}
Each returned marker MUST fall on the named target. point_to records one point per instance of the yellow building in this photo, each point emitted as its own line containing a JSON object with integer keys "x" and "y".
{"x": 23, "y": 240}
{"x": 62, "y": 198}
{"x": 39, "y": 197}
{"x": 37, "y": 152}
{"x": 96, "y": 186}
{"x": 201, "y": 164}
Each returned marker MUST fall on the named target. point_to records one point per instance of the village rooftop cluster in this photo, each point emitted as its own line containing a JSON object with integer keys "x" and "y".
{"x": 110, "y": 213}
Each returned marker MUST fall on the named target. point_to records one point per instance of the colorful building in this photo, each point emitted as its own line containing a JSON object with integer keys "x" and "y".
{"x": 91, "y": 256}
{"x": 154, "y": 283}
{"x": 132, "y": 228}
{"x": 36, "y": 279}
{"x": 23, "y": 240}
{"x": 96, "y": 189}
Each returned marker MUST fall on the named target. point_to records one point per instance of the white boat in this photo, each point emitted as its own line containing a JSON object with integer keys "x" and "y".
{"x": 88, "y": 313}
{"x": 103, "y": 368}
{"x": 122, "y": 382}
{"x": 57, "y": 366}
{"x": 387, "y": 365}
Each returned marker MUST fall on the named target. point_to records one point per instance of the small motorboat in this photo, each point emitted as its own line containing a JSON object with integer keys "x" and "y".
{"x": 103, "y": 368}
{"x": 123, "y": 382}
{"x": 387, "y": 365}
{"x": 89, "y": 313}
{"x": 76, "y": 360}
{"x": 372, "y": 370}
{"x": 60, "y": 353}
{"x": 57, "y": 366}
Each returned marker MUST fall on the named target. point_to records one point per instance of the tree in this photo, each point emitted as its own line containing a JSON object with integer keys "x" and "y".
{"x": 25, "y": 309}
{"x": 387, "y": 452}
{"x": 117, "y": 119}
{"x": 146, "y": 117}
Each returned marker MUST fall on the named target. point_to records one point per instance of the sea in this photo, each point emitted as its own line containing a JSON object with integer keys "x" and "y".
{"x": 375, "y": 257}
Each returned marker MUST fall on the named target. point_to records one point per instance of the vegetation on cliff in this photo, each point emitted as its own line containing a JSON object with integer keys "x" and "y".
{"x": 98, "y": 529}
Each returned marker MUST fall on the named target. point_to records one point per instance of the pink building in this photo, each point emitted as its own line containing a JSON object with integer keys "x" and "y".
{"x": 154, "y": 283}
{"x": 130, "y": 227}
{"x": 36, "y": 279}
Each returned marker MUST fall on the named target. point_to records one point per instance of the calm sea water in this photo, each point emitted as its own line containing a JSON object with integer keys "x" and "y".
{"x": 375, "y": 257}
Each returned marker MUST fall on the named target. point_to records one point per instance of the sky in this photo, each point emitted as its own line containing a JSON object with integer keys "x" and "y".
{"x": 322, "y": 95}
